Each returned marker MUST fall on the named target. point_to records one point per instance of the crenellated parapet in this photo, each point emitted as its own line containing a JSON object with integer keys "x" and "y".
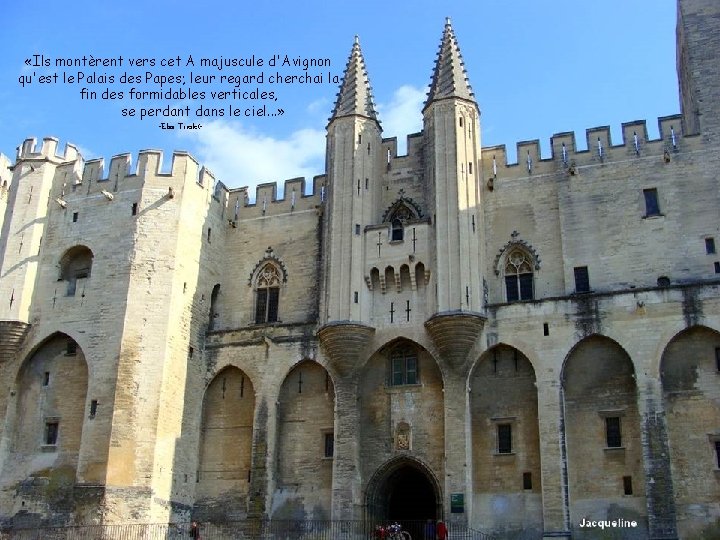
{"x": 267, "y": 203}
{"x": 566, "y": 157}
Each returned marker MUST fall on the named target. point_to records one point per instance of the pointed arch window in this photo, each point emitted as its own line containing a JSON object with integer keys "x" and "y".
{"x": 519, "y": 276}
{"x": 267, "y": 294}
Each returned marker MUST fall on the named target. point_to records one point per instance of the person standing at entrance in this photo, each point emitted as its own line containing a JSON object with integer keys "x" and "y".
{"x": 442, "y": 532}
{"x": 430, "y": 530}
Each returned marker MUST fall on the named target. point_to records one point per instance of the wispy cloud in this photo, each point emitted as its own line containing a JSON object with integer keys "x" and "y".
{"x": 403, "y": 114}
{"x": 239, "y": 156}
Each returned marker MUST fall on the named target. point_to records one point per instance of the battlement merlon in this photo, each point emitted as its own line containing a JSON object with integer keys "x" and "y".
{"x": 600, "y": 149}
{"x": 48, "y": 150}
{"x": 267, "y": 202}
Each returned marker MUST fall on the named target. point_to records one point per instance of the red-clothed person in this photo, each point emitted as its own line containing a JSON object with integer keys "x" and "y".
{"x": 442, "y": 532}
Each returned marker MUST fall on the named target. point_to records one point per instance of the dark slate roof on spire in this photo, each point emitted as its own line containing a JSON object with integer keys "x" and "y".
{"x": 355, "y": 96}
{"x": 449, "y": 78}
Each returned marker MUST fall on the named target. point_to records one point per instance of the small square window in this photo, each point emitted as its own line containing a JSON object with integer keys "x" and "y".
{"x": 51, "y": 432}
{"x": 652, "y": 208}
{"x": 613, "y": 435}
{"x": 504, "y": 438}
{"x": 329, "y": 444}
{"x": 627, "y": 485}
{"x": 717, "y": 267}
{"x": 709, "y": 246}
{"x": 70, "y": 348}
{"x": 582, "y": 279}
{"x": 357, "y": 229}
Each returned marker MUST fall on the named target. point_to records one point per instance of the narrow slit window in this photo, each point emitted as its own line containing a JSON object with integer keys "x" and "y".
{"x": 504, "y": 435}
{"x": 329, "y": 445}
{"x": 652, "y": 207}
{"x": 527, "y": 480}
{"x": 51, "y": 433}
{"x": 627, "y": 485}
{"x": 582, "y": 279}
{"x": 613, "y": 435}
{"x": 710, "y": 246}
{"x": 134, "y": 209}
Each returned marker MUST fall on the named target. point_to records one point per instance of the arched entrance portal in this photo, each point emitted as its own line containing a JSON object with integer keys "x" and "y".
{"x": 404, "y": 490}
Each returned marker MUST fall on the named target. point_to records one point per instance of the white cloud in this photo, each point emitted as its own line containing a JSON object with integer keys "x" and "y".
{"x": 403, "y": 114}
{"x": 239, "y": 156}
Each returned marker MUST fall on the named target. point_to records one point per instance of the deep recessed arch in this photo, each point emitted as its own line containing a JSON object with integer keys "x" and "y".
{"x": 225, "y": 450}
{"x": 402, "y": 420}
{"x": 47, "y": 414}
{"x": 305, "y": 443}
{"x": 690, "y": 377}
{"x": 506, "y": 469}
{"x": 606, "y": 477}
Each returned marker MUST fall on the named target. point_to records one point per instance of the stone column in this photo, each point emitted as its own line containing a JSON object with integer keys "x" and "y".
{"x": 258, "y": 495}
{"x": 553, "y": 460}
{"x": 457, "y": 447}
{"x": 656, "y": 460}
{"x": 347, "y": 500}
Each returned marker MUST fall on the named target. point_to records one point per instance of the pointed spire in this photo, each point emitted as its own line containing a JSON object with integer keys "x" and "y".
{"x": 355, "y": 96}
{"x": 449, "y": 78}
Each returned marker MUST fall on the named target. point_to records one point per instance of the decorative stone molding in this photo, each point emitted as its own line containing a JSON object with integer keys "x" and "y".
{"x": 455, "y": 333}
{"x": 12, "y": 335}
{"x": 269, "y": 257}
{"x": 343, "y": 342}
{"x": 516, "y": 242}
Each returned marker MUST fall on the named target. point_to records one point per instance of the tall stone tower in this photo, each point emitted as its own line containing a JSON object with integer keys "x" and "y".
{"x": 23, "y": 231}
{"x": 452, "y": 146}
{"x": 353, "y": 150}
{"x": 698, "y": 44}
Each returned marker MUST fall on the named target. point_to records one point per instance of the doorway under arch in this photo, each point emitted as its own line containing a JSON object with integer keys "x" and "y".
{"x": 404, "y": 490}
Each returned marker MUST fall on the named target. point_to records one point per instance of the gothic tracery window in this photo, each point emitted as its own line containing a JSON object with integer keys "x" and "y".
{"x": 518, "y": 276}
{"x": 267, "y": 294}
{"x": 398, "y": 215}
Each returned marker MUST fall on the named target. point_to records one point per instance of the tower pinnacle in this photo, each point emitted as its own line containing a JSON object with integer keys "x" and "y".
{"x": 355, "y": 96}
{"x": 449, "y": 78}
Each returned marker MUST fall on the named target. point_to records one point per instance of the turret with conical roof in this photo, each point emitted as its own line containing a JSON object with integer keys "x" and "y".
{"x": 449, "y": 79}
{"x": 452, "y": 156}
{"x": 354, "y": 171}
{"x": 355, "y": 97}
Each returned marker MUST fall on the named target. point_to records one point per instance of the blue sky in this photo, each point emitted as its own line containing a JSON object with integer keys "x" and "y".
{"x": 537, "y": 68}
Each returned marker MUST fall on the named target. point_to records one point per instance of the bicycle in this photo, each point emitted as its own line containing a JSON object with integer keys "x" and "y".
{"x": 392, "y": 532}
